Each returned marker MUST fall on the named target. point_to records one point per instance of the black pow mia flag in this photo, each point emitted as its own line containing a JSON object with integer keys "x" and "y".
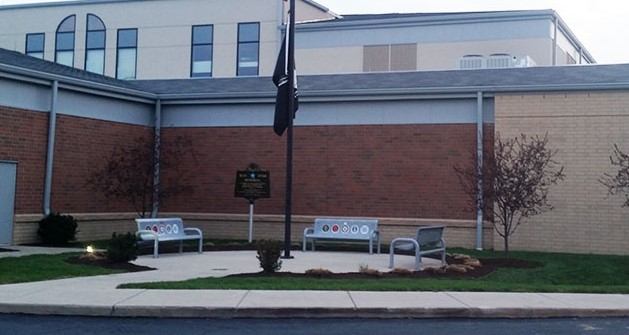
{"x": 280, "y": 79}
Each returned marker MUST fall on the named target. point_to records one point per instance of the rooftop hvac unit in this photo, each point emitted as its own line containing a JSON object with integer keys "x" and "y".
{"x": 472, "y": 62}
{"x": 502, "y": 61}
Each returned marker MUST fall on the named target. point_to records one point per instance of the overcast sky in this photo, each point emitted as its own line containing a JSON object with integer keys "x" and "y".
{"x": 598, "y": 24}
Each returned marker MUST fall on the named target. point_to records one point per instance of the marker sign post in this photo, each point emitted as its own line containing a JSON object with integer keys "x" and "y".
{"x": 251, "y": 184}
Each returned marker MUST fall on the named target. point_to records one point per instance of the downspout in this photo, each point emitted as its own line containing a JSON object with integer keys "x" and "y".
{"x": 479, "y": 171}
{"x": 156, "y": 156}
{"x": 52, "y": 125}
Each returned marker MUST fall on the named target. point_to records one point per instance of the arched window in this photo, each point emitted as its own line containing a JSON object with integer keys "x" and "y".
{"x": 95, "y": 45}
{"x": 64, "y": 43}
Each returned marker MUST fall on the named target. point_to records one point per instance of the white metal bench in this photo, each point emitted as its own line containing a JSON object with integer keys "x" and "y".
{"x": 428, "y": 240}
{"x": 167, "y": 229}
{"x": 344, "y": 230}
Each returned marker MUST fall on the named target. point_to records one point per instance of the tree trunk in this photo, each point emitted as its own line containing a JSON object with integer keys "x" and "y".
{"x": 506, "y": 240}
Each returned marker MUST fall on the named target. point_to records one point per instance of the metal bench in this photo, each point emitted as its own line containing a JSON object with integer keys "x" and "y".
{"x": 343, "y": 229}
{"x": 167, "y": 229}
{"x": 428, "y": 240}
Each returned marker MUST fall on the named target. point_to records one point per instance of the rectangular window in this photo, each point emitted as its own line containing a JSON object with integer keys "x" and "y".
{"x": 35, "y": 45}
{"x": 126, "y": 54}
{"x": 248, "y": 49}
{"x": 65, "y": 48}
{"x": 202, "y": 48}
{"x": 95, "y": 52}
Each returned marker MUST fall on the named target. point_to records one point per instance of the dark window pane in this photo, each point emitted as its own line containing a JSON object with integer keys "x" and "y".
{"x": 95, "y": 39}
{"x": 202, "y": 35}
{"x": 34, "y": 43}
{"x": 248, "y": 32}
{"x": 67, "y": 25}
{"x": 201, "y": 52}
{"x": 65, "y": 41}
{"x": 127, "y": 38}
{"x": 94, "y": 23}
{"x": 248, "y": 59}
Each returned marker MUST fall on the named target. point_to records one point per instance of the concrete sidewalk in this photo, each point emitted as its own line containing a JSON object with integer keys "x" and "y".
{"x": 98, "y": 296}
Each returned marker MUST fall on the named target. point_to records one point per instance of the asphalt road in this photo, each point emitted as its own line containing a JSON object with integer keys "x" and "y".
{"x": 37, "y": 324}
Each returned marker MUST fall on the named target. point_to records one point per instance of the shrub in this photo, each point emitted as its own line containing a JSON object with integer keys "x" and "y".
{"x": 57, "y": 229}
{"x": 269, "y": 252}
{"x": 122, "y": 248}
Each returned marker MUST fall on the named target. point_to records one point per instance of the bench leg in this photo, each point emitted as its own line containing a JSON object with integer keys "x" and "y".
{"x": 303, "y": 245}
{"x": 200, "y": 245}
{"x": 155, "y": 248}
{"x": 181, "y": 246}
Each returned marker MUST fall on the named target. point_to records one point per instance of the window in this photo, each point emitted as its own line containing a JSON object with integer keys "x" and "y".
{"x": 248, "y": 49}
{"x": 64, "y": 44}
{"x": 202, "y": 47}
{"x": 394, "y": 57}
{"x": 35, "y": 45}
{"x": 95, "y": 45}
{"x": 126, "y": 56}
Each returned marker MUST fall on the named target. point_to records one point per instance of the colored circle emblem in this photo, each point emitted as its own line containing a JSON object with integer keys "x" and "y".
{"x": 147, "y": 228}
{"x": 345, "y": 229}
{"x": 155, "y": 228}
{"x": 325, "y": 228}
{"x": 162, "y": 229}
{"x": 175, "y": 229}
{"x": 169, "y": 229}
{"x": 364, "y": 229}
{"x": 335, "y": 228}
{"x": 355, "y": 229}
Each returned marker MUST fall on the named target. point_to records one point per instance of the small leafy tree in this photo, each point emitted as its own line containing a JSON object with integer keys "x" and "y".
{"x": 516, "y": 182}
{"x": 128, "y": 172}
{"x": 618, "y": 183}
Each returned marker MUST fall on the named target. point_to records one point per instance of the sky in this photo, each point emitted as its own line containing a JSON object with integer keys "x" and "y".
{"x": 599, "y": 25}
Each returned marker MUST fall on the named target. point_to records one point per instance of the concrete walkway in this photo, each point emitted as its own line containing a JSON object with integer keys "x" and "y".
{"x": 98, "y": 296}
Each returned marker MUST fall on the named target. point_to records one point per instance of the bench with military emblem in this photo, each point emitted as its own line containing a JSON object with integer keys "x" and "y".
{"x": 343, "y": 230}
{"x": 167, "y": 229}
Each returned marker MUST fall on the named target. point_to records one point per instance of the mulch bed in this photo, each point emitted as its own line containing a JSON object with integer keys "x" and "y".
{"x": 488, "y": 265}
{"x": 105, "y": 263}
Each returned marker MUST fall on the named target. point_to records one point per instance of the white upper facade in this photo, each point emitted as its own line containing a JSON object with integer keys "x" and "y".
{"x": 179, "y": 39}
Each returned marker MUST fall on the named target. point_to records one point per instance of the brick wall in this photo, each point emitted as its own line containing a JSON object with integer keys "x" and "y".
{"x": 583, "y": 127}
{"x": 81, "y": 147}
{"x": 23, "y": 138}
{"x": 403, "y": 171}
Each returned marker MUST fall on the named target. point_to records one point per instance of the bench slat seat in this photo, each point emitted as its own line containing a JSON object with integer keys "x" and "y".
{"x": 343, "y": 230}
{"x": 167, "y": 229}
{"x": 428, "y": 240}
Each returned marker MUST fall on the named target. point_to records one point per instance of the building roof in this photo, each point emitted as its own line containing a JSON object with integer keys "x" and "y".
{"x": 535, "y": 79}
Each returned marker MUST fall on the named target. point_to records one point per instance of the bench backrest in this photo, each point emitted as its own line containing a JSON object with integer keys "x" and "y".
{"x": 345, "y": 228}
{"x": 429, "y": 235}
{"x": 167, "y": 227}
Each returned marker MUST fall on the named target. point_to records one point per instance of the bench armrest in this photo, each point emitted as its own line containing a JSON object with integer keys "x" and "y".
{"x": 196, "y": 230}
{"x": 308, "y": 230}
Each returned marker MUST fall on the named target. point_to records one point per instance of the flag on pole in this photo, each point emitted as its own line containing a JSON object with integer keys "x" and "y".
{"x": 280, "y": 79}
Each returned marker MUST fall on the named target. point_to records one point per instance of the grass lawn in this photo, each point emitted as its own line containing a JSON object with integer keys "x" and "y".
{"x": 45, "y": 267}
{"x": 560, "y": 273}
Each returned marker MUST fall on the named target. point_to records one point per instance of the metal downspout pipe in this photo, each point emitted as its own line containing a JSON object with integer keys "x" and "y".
{"x": 479, "y": 171}
{"x": 156, "y": 156}
{"x": 52, "y": 125}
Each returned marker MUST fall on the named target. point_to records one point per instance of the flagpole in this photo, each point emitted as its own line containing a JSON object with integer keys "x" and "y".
{"x": 289, "y": 131}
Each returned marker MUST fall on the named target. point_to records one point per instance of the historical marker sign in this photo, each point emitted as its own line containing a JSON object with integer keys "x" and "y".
{"x": 253, "y": 183}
